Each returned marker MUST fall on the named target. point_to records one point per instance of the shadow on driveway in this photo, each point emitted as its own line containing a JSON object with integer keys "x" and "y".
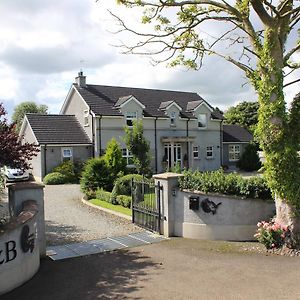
{"x": 101, "y": 276}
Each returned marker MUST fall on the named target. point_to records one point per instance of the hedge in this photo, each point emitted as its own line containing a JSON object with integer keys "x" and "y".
{"x": 231, "y": 184}
{"x": 55, "y": 178}
{"x": 122, "y": 200}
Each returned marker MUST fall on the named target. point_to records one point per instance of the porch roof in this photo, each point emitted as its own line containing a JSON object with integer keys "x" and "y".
{"x": 177, "y": 139}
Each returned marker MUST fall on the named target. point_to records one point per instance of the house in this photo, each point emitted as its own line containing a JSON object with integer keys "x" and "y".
{"x": 235, "y": 140}
{"x": 59, "y": 137}
{"x": 181, "y": 127}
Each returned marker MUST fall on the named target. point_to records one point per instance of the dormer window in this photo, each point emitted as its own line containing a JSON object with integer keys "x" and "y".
{"x": 86, "y": 117}
{"x": 130, "y": 117}
{"x": 202, "y": 121}
{"x": 173, "y": 118}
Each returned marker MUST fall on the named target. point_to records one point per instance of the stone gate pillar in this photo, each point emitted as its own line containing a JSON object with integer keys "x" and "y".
{"x": 169, "y": 183}
{"x": 22, "y": 191}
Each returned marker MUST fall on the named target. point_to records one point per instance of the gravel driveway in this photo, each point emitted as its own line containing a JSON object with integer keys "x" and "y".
{"x": 68, "y": 220}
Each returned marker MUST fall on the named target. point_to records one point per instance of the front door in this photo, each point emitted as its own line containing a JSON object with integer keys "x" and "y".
{"x": 173, "y": 154}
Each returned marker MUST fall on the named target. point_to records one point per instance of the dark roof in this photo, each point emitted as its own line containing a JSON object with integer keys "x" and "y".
{"x": 236, "y": 134}
{"x": 102, "y": 99}
{"x": 57, "y": 129}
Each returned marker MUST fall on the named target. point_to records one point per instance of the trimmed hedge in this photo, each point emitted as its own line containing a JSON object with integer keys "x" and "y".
{"x": 103, "y": 195}
{"x": 122, "y": 200}
{"x": 55, "y": 178}
{"x": 231, "y": 184}
{"x": 67, "y": 169}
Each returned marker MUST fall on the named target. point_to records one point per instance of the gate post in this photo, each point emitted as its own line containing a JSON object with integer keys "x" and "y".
{"x": 169, "y": 184}
{"x": 22, "y": 191}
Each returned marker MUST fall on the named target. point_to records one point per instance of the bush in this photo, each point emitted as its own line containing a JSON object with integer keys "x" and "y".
{"x": 96, "y": 174}
{"x": 271, "y": 234}
{"x": 124, "y": 200}
{"x": 55, "y": 178}
{"x": 68, "y": 170}
{"x": 249, "y": 160}
{"x": 122, "y": 185}
{"x": 103, "y": 195}
{"x": 231, "y": 184}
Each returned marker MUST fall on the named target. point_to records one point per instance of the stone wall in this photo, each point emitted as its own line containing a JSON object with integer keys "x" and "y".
{"x": 208, "y": 216}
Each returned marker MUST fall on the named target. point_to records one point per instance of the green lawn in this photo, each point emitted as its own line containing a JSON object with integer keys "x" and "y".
{"x": 117, "y": 208}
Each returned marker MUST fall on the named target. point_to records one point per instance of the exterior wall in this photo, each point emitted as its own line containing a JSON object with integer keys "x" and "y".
{"x": 226, "y": 162}
{"x": 76, "y": 106}
{"x": 114, "y": 127}
{"x": 235, "y": 218}
{"x": 53, "y": 157}
{"x": 35, "y": 162}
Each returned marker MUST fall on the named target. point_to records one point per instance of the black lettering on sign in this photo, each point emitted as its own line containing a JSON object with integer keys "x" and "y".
{"x": 1, "y": 261}
{"x": 11, "y": 252}
{"x": 27, "y": 240}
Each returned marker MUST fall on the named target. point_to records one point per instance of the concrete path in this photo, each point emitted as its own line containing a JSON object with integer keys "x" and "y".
{"x": 68, "y": 220}
{"x": 174, "y": 269}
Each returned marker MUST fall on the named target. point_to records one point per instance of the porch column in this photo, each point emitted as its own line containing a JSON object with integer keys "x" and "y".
{"x": 172, "y": 155}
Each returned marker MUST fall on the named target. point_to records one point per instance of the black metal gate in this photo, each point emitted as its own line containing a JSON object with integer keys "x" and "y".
{"x": 146, "y": 210}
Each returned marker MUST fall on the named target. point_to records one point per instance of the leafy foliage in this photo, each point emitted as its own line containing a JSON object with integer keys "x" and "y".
{"x": 244, "y": 114}
{"x": 139, "y": 147}
{"x": 271, "y": 234}
{"x": 101, "y": 194}
{"x": 113, "y": 157}
{"x": 24, "y": 108}
{"x": 12, "y": 152}
{"x": 249, "y": 160}
{"x": 68, "y": 170}
{"x": 231, "y": 184}
{"x": 55, "y": 178}
{"x": 96, "y": 174}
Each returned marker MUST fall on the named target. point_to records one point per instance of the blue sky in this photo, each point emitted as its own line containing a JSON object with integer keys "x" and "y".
{"x": 43, "y": 46}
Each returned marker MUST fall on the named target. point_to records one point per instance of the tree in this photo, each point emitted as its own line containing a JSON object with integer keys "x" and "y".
{"x": 250, "y": 160}
{"x": 138, "y": 146}
{"x": 244, "y": 114}
{"x": 260, "y": 30}
{"x": 12, "y": 152}
{"x": 24, "y": 108}
{"x": 113, "y": 157}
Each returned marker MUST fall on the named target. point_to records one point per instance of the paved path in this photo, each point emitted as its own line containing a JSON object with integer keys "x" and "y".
{"x": 175, "y": 269}
{"x": 68, "y": 220}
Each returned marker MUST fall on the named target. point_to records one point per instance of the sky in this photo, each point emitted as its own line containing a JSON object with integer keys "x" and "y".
{"x": 43, "y": 46}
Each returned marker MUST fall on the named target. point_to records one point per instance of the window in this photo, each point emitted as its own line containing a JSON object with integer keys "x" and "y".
{"x": 128, "y": 156}
{"x": 66, "y": 154}
{"x": 209, "y": 152}
{"x": 234, "y": 152}
{"x": 195, "y": 152}
{"x": 86, "y": 118}
{"x": 172, "y": 118}
{"x": 130, "y": 116}
{"x": 202, "y": 121}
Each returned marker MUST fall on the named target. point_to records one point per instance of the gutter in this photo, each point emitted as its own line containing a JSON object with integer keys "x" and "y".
{"x": 45, "y": 161}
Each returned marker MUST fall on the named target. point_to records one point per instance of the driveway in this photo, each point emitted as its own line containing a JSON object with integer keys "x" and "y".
{"x": 174, "y": 269}
{"x": 68, "y": 220}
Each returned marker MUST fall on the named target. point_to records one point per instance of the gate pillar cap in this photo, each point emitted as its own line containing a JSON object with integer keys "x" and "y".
{"x": 167, "y": 175}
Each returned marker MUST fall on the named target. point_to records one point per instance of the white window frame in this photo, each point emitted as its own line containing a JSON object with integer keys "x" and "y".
{"x": 235, "y": 151}
{"x": 200, "y": 121}
{"x": 128, "y": 156}
{"x": 130, "y": 117}
{"x": 86, "y": 121}
{"x": 196, "y": 152}
{"x": 66, "y": 157}
{"x": 209, "y": 149}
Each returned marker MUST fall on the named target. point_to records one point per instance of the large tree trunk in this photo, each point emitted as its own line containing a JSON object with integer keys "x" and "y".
{"x": 285, "y": 215}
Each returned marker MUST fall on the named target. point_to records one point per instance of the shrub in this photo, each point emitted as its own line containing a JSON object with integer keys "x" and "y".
{"x": 122, "y": 185}
{"x": 113, "y": 157}
{"x": 124, "y": 200}
{"x": 249, "y": 160}
{"x": 271, "y": 234}
{"x": 103, "y": 195}
{"x": 68, "y": 170}
{"x": 96, "y": 174}
{"x": 231, "y": 184}
{"x": 55, "y": 178}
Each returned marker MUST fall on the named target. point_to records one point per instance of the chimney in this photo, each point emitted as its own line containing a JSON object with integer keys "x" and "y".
{"x": 80, "y": 80}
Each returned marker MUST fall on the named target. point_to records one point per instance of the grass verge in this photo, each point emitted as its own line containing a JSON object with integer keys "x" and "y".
{"x": 117, "y": 208}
